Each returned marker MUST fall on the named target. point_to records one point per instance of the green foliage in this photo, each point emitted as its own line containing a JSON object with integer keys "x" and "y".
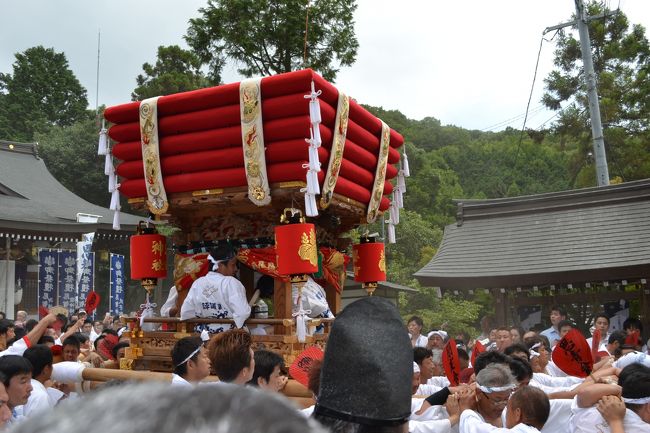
{"x": 176, "y": 70}
{"x": 41, "y": 92}
{"x": 267, "y": 37}
{"x": 621, "y": 57}
{"x": 453, "y": 314}
{"x": 70, "y": 154}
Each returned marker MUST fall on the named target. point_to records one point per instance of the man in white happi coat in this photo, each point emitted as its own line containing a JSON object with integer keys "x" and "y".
{"x": 218, "y": 294}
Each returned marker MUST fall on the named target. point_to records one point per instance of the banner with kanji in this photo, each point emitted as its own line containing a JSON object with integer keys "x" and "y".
{"x": 67, "y": 277}
{"x": 117, "y": 282}
{"x": 47, "y": 277}
{"x": 85, "y": 269}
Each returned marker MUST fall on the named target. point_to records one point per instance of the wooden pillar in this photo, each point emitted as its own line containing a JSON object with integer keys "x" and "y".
{"x": 644, "y": 298}
{"x": 247, "y": 278}
{"x": 281, "y": 303}
{"x": 500, "y": 307}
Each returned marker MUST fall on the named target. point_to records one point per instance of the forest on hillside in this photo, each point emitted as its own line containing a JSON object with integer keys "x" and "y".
{"x": 42, "y": 100}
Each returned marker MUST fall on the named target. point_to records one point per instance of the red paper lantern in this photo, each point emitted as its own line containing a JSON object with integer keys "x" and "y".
{"x": 295, "y": 248}
{"x": 369, "y": 263}
{"x": 148, "y": 256}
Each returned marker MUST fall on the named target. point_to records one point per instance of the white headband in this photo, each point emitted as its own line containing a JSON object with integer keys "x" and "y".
{"x": 213, "y": 261}
{"x": 491, "y": 389}
{"x": 642, "y": 400}
{"x": 532, "y": 351}
{"x": 416, "y": 367}
{"x": 191, "y": 355}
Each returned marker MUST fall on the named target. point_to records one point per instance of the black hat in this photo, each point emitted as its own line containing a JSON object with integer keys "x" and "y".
{"x": 368, "y": 366}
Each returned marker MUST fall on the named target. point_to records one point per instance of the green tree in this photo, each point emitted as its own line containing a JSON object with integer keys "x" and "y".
{"x": 267, "y": 37}
{"x": 70, "y": 154}
{"x": 41, "y": 92}
{"x": 176, "y": 70}
{"x": 621, "y": 56}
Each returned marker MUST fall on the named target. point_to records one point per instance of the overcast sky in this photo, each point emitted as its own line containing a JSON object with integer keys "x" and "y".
{"x": 468, "y": 63}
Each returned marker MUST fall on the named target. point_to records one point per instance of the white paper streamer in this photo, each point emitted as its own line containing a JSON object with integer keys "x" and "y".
{"x": 391, "y": 233}
{"x": 108, "y": 164}
{"x": 405, "y": 164}
{"x": 116, "y": 219}
{"x": 102, "y": 148}
{"x": 115, "y": 200}
{"x": 313, "y": 187}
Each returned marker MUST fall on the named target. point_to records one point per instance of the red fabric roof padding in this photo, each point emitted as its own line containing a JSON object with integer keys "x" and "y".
{"x": 220, "y": 117}
{"x": 225, "y": 178}
{"x": 204, "y": 140}
{"x": 372, "y": 124}
{"x": 215, "y": 160}
{"x": 213, "y": 97}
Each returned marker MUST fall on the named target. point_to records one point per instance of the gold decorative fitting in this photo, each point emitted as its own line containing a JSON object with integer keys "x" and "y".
{"x": 370, "y": 288}
{"x": 136, "y": 200}
{"x": 382, "y": 262}
{"x": 307, "y": 250}
{"x": 204, "y": 192}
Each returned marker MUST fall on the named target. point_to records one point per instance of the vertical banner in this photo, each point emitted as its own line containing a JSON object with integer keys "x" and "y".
{"x": 116, "y": 301}
{"x": 85, "y": 269}
{"x": 47, "y": 277}
{"x": 67, "y": 262}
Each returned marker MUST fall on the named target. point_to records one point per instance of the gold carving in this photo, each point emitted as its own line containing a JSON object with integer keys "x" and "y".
{"x": 382, "y": 262}
{"x": 156, "y": 196}
{"x": 380, "y": 175}
{"x": 253, "y": 142}
{"x": 308, "y": 250}
{"x": 338, "y": 146}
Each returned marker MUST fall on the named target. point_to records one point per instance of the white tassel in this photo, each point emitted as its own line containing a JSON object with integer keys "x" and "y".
{"x": 401, "y": 182}
{"x": 115, "y": 199}
{"x": 311, "y": 210}
{"x": 399, "y": 201}
{"x": 112, "y": 182}
{"x": 405, "y": 163}
{"x": 116, "y": 219}
{"x": 314, "y": 104}
{"x": 103, "y": 142}
{"x": 391, "y": 233}
{"x": 312, "y": 183}
{"x": 394, "y": 214}
{"x": 314, "y": 163}
{"x": 316, "y": 140}
{"x": 301, "y": 328}
{"x": 108, "y": 165}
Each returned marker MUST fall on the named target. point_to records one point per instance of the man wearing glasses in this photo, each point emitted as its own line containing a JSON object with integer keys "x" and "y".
{"x": 219, "y": 294}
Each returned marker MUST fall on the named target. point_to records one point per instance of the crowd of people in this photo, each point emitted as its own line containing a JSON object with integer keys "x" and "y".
{"x": 377, "y": 375}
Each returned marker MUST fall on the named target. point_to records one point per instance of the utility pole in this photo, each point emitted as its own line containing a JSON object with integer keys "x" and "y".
{"x": 602, "y": 172}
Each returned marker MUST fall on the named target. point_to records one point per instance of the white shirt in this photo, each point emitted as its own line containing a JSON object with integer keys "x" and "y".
{"x": 473, "y": 422}
{"x": 216, "y": 296}
{"x": 554, "y": 370}
{"x": 439, "y": 381}
{"x": 434, "y": 420}
{"x": 427, "y": 390}
{"x": 421, "y": 341}
{"x": 589, "y": 420}
{"x": 18, "y": 348}
{"x": 169, "y": 303}
{"x": 40, "y": 400}
{"x": 179, "y": 381}
{"x": 554, "y": 381}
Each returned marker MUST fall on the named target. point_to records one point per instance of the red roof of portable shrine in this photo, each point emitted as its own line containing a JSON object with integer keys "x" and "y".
{"x": 200, "y": 139}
